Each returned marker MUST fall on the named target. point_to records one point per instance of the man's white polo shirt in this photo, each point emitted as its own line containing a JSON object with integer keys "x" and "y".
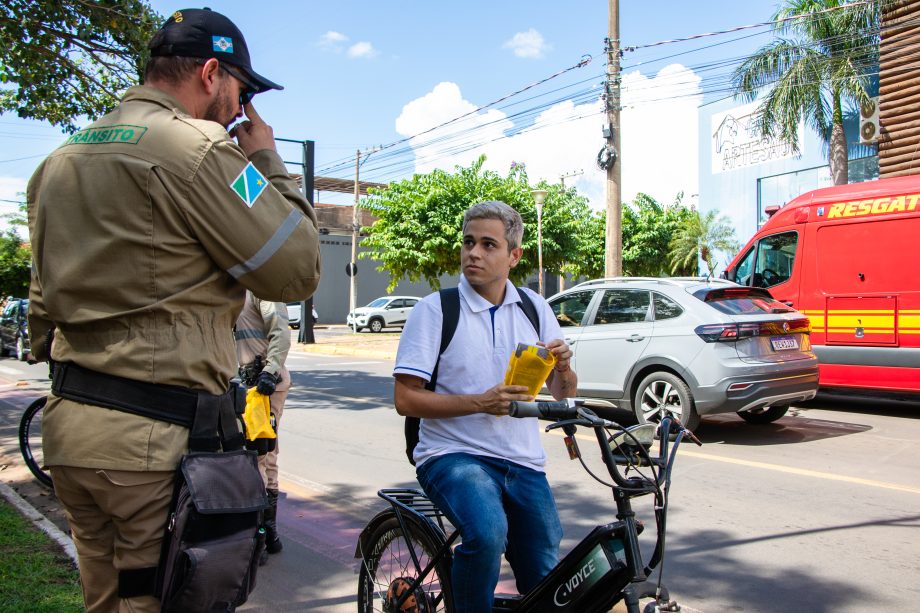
{"x": 474, "y": 362}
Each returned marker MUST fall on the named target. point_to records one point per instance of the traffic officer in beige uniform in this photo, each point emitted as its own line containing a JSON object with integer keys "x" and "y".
{"x": 147, "y": 227}
{"x": 263, "y": 338}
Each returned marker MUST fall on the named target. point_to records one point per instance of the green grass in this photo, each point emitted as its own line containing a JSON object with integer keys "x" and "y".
{"x": 35, "y": 575}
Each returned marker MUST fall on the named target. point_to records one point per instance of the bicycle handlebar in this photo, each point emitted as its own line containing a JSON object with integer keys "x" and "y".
{"x": 560, "y": 409}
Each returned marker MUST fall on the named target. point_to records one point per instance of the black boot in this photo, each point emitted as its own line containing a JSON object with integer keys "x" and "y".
{"x": 272, "y": 542}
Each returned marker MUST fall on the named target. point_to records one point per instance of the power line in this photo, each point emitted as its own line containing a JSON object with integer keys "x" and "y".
{"x": 444, "y": 145}
{"x": 774, "y": 22}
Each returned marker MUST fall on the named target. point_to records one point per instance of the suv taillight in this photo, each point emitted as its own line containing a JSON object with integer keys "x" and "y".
{"x": 716, "y": 333}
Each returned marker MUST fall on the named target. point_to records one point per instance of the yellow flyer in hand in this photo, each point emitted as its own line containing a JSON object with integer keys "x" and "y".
{"x": 529, "y": 365}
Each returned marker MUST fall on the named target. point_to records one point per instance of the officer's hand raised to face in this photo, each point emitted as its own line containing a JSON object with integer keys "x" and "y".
{"x": 253, "y": 134}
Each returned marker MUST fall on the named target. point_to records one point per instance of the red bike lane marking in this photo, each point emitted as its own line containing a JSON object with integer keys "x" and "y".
{"x": 318, "y": 526}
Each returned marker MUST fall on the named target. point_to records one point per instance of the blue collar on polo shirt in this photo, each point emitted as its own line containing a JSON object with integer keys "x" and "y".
{"x": 477, "y": 303}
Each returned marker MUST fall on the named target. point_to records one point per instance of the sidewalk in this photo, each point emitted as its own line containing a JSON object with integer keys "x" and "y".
{"x": 340, "y": 340}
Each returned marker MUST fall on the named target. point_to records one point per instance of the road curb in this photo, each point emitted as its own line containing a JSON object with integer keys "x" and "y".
{"x": 39, "y": 520}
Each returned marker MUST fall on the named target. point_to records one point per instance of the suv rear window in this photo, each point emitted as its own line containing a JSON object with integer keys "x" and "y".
{"x": 742, "y": 301}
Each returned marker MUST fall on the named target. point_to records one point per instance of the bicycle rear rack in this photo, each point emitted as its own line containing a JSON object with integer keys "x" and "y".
{"x": 417, "y": 503}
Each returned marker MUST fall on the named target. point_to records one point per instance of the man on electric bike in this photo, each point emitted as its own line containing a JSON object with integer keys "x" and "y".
{"x": 483, "y": 468}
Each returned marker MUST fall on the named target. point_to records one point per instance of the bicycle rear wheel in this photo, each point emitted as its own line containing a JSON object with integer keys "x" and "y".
{"x": 30, "y": 440}
{"x": 387, "y": 570}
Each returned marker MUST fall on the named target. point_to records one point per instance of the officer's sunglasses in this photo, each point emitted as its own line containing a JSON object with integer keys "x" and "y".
{"x": 248, "y": 91}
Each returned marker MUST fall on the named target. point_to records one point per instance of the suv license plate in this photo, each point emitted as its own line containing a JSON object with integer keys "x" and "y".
{"x": 784, "y": 343}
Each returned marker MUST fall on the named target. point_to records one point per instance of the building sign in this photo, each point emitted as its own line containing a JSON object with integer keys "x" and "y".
{"x": 737, "y": 143}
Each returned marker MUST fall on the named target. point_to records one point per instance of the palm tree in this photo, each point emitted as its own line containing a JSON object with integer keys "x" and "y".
{"x": 699, "y": 237}
{"x": 817, "y": 63}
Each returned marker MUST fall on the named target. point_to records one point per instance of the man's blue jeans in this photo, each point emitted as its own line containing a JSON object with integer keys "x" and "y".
{"x": 498, "y": 507}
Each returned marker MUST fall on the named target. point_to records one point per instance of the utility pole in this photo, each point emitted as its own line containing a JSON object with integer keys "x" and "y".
{"x": 613, "y": 235}
{"x": 352, "y": 267}
{"x": 305, "y": 333}
{"x": 355, "y": 226}
{"x": 562, "y": 178}
{"x": 308, "y": 150}
{"x": 565, "y": 176}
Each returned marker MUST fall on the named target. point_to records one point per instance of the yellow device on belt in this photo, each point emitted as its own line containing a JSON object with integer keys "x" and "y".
{"x": 529, "y": 365}
{"x": 257, "y": 416}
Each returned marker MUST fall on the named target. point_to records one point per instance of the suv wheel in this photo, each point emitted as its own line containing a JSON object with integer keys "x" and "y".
{"x": 663, "y": 390}
{"x": 375, "y": 325}
{"x": 763, "y": 415}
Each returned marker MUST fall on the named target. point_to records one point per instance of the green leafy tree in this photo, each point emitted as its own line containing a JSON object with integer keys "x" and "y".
{"x": 15, "y": 265}
{"x": 418, "y": 231}
{"x": 699, "y": 237}
{"x": 63, "y": 59}
{"x": 589, "y": 260}
{"x": 816, "y": 65}
{"x": 648, "y": 228}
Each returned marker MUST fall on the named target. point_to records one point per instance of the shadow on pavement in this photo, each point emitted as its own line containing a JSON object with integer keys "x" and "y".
{"x": 795, "y": 427}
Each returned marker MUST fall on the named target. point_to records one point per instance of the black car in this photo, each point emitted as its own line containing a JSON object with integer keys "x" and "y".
{"x": 14, "y": 328}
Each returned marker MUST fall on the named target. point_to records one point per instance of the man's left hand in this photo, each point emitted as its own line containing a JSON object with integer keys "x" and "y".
{"x": 563, "y": 354}
{"x": 266, "y": 383}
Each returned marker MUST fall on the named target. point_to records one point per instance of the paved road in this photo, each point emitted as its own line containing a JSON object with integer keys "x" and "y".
{"x": 818, "y": 512}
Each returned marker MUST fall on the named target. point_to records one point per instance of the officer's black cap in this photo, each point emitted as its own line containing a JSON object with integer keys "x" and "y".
{"x": 204, "y": 33}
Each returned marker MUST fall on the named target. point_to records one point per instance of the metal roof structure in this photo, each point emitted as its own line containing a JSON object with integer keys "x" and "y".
{"x": 343, "y": 186}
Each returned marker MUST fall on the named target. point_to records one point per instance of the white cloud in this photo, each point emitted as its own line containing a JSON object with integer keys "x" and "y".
{"x": 443, "y": 103}
{"x": 529, "y": 44}
{"x": 658, "y": 139}
{"x": 332, "y": 41}
{"x": 362, "y": 49}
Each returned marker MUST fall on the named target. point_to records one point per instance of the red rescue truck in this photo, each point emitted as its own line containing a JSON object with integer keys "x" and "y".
{"x": 848, "y": 257}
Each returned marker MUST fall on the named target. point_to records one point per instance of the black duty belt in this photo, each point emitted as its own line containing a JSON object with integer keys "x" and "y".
{"x": 169, "y": 403}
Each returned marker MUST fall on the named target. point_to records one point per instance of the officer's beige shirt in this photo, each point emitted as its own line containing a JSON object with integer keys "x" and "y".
{"x": 262, "y": 330}
{"x": 144, "y": 239}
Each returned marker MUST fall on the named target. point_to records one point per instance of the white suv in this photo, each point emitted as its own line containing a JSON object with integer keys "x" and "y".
{"x": 687, "y": 346}
{"x": 386, "y": 312}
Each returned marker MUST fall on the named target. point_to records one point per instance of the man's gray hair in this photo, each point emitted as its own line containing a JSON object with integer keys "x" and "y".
{"x": 495, "y": 209}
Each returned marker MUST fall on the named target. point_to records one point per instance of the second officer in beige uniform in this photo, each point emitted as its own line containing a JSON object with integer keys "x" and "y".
{"x": 263, "y": 336}
{"x": 147, "y": 227}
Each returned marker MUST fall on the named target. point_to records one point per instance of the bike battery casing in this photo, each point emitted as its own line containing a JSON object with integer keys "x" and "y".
{"x": 589, "y": 578}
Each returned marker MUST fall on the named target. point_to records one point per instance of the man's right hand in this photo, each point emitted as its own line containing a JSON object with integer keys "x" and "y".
{"x": 497, "y": 400}
{"x": 253, "y": 134}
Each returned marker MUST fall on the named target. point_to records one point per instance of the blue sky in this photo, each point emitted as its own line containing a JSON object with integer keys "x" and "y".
{"x": 359, "y": 74}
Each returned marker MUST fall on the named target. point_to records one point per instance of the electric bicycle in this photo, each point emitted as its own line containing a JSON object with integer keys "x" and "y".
{"x": 406, "y": 550}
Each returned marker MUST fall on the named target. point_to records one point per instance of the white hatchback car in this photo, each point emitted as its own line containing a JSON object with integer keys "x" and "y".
{"x": 688, "y": 347}
{"x": 386, "y": 312}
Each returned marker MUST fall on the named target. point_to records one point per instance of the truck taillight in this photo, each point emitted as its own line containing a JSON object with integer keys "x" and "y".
{"x": 722, "y": 333}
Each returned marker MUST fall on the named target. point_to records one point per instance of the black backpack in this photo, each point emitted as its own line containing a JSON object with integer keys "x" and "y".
{"x": 450, "y": 309}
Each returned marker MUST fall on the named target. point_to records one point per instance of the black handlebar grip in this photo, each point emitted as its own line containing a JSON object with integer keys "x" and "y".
{"x": 560, "y": 409}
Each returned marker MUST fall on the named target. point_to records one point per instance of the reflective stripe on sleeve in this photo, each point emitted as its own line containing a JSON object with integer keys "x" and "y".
{"x": 248, "y": 333}
{"x": 270, "y": 247}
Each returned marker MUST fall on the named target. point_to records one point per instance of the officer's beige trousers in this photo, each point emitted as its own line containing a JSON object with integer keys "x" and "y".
{"x": 117, "y": 519}
{"x": 268, "y": 463}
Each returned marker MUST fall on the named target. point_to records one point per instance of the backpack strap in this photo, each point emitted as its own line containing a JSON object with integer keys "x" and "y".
{"x": 450, "y": 311}
{"x": 529, "y": 309}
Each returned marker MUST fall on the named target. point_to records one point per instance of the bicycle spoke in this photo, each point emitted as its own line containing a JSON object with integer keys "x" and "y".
{"x": 390, "y": 562}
